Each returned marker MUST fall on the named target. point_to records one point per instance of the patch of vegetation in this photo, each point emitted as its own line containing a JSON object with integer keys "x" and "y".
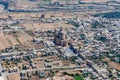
{"x": 78, "y": 77}
{"x": 16, "y": 37}
{"x": 52, "y": 73}
{"x": 95, "y": 24}
{"x": 76, "y": 24}
{"x": 101, "y": 38}
{"x": 4, "y": 51}
{"x": 73, "y": 58}
{"x": 65, "y": 73}
{"x": 94, "y": 58}
{"x": 24, "y": 67}
{"x": 109, "y": 15}
{"x": 29, "y": 32}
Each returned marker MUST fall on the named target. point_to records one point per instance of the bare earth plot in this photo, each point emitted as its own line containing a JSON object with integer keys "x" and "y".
{"x": 13, "y": 77}
{"x": 12, "y": 39}
{"x": 3, "y": 41}
{"x": 114, "y": 65}
{"x": 46, "y": 26}
{"x": 28, "y": 26}
{"x": 24, "y": 37}
{"x": 7, "y": 41}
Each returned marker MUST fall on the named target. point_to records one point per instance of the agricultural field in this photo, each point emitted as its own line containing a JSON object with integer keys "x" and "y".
{"x": 4, "y": 42}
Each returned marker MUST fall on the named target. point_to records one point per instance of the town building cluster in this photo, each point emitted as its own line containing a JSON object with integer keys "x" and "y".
{"x": 92, "y": 48}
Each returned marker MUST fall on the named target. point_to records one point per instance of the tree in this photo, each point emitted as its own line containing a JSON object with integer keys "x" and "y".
{"x": 42, "y": 16}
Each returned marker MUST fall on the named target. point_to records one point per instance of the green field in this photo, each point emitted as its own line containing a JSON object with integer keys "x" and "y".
{"x": 77, "y": 77}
